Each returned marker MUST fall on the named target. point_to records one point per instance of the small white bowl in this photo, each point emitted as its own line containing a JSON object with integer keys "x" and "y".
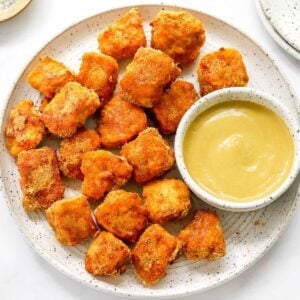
{"x": 236, "y": 94}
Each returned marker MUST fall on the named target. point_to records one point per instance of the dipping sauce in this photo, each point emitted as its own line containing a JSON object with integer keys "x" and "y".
{"x": 238, "y": 151}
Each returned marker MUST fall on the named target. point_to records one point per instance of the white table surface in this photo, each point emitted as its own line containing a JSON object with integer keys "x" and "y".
{"x": 23, "y": 273}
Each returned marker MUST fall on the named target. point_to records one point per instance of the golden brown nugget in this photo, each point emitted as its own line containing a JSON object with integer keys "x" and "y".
{"x": 49, "y": 76}
{"x": 40, "y": 179}
{"x": 99, "y": 72}
{"x": 166, "y": 200}
{"x": 24, "y": 130}
{"x": 72, "y": 150}
{"x": 103, "y": 172}
{"x": 120, "y": 122}
{"x": 125, "y": 37}
{"x": 203, "y": 237}
{"x": 173, "y": 105}
{"x": 221, "y": 69}
{"x": 107, "y": 256}
{"x": 71, "y": 220}
{"x": 152, "y": 253}
{"x": 147, "y": 76}
{"x": 178, "y": 34}
{"x": 122, "y": 214}
{"x": 69, "y": 109}
{"x": 149, "y": 155}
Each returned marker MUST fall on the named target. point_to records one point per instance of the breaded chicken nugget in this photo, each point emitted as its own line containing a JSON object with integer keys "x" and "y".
{"x": 120, "y": 122}
{"x": 40, "y": 179}
{"x": 149, "y": 155}
{"x": 125, "y": 37}
{"x": 152, "y": 253}
{"x": 147, "y": 76}
{"x": 221, "y": 69}
{"x": 24, "y": 130}
{"x": 166, "y": 200}
{"x": 49, "y": 76}
{"x": 173, "y": 105}
{"x": 122, "y": 214}
{"x": 178, "y": 34}
{"x": 69, "y": 109}
{"x": 103, "y": 172}
{"x": 107, "y": 255}
{"x": 72, "y": 149}
{"x": 71, "y": 220}
{"x": 203, "y": 237}
{"x": 99, "y": 72}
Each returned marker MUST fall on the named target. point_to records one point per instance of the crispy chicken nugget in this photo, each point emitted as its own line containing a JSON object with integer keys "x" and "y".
{"x": 178, "y": 34}
{"x": 72, "y": 149}
{"x": 122, "y": 214}
{"x": 40, "y": 179}
{"x": 24, "y": 130}
{"x": 173, "y": 105}
{"x": 221, "y": 69}
{"x": 125, "y": 37}
{"x": 166, "y": 200}
{"x": 49, "y": 76}
{"x": 99, "y": 72}
{"x": 71, "y": 220}
{"x": 107, "y": 255}
{"x": 152, "y": 253}
{"x": 149, "y": 155}
{"x": 69, "y": 109}
{"x": 103, "y": 172}
{"x": 147, "y": 76}
{"x": 203, "y": 237}
{"x": 120, "y": 122}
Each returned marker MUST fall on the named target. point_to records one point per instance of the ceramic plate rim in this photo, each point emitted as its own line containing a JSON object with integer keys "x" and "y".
{"x": 275, "y": 25}
{"x": 273, "y": 33}
{"x": 63, "y": 269}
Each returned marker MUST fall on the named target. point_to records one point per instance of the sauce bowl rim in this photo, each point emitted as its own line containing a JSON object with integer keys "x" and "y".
{"x": 290, "y": 118}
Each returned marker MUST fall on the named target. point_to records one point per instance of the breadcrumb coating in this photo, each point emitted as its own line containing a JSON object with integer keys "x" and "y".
{"x": 71, "y": 220}
{"x": 99, "y": 72}
{"x": 120, "y": 122}
{"x": 72, "y": 149}
{"x": 149, "y": 73}
{"x": 166, "y": 200}
{"x": 103, "y": 171}
{"x": 122, "y": 214}
{"x": 203, "y": 237}
{"x": 221, "y": 69}
{"x": 125, "y": 37}
{"x": 178, "y": 34}
{"x": 39, "y": 178}
{"x": 69, "y": 109}
{"x": 24, "y": 130}
{"x": 49, "y": 76}
{"x": 155, "y": 249}
{"x": 107, "y": 256}
{"x": 173, "y": 104}
{"x": 149, "y": 155}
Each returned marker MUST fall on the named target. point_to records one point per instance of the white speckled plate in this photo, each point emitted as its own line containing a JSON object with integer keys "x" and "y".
{"x": 248, "y": 235}
{"x": 275, "y": 35}
{"x": 284, "y": 15}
